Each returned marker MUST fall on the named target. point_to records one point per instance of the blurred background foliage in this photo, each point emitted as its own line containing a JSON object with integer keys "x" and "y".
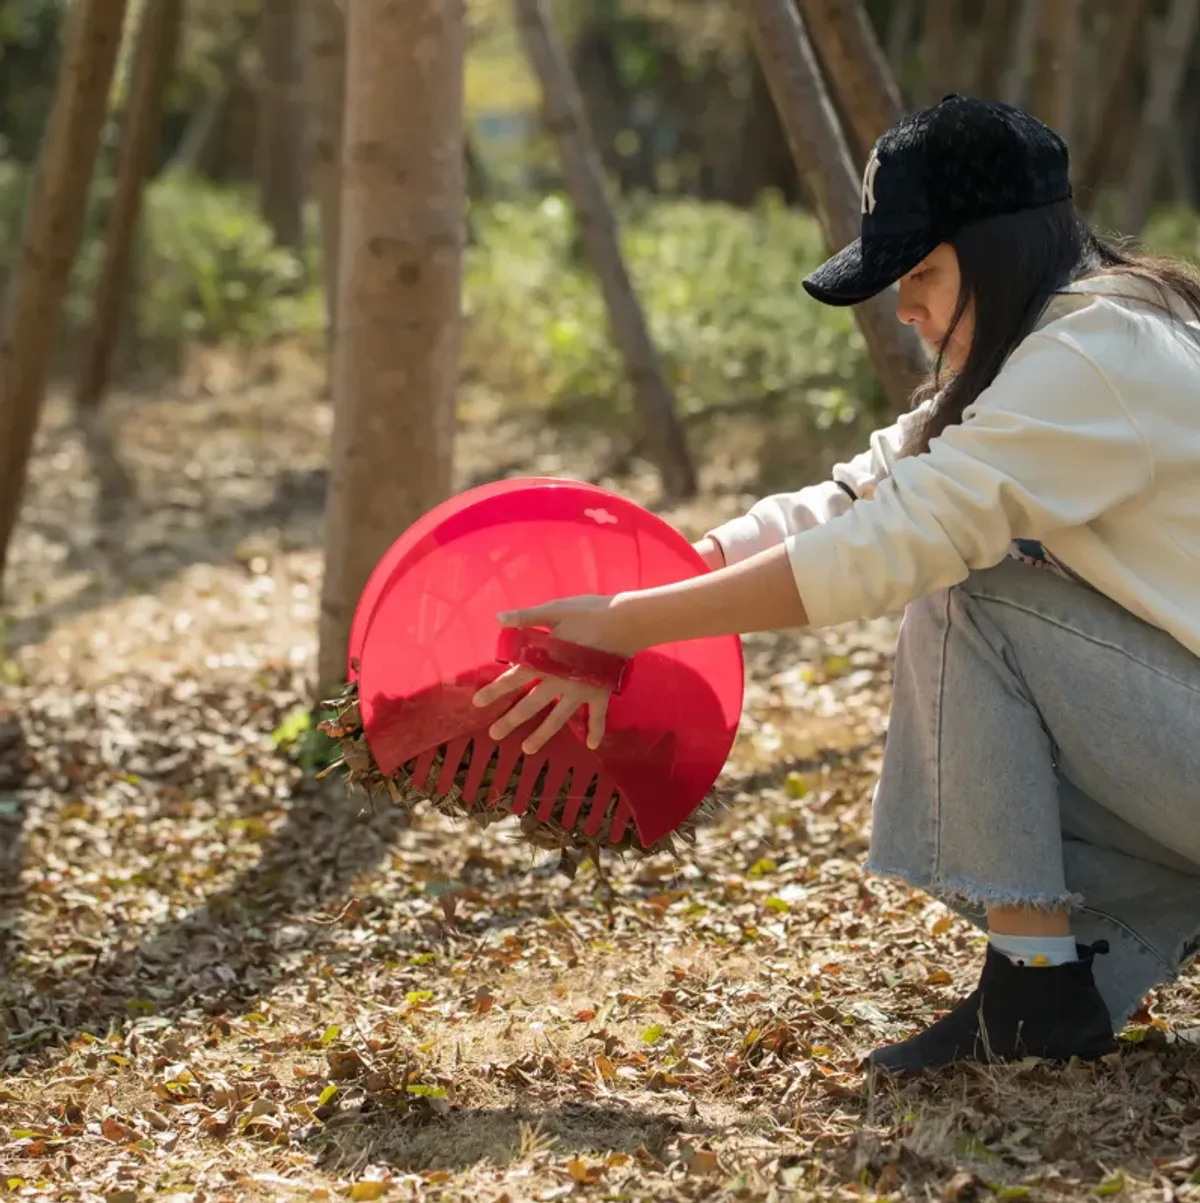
{"x": 714, "y": 222}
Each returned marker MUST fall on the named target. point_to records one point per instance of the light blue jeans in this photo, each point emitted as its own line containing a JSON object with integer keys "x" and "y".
{"x": 1044, "y": 747}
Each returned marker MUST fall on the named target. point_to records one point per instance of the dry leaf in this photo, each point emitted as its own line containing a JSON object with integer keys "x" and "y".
{"x": 368, "y": 1190}
{"x": 116, "y": 1131}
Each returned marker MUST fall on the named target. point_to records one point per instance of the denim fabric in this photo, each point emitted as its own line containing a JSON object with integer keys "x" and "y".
{"x": 1044, "y": 747}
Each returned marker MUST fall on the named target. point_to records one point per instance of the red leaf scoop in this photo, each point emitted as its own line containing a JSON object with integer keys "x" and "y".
{"x": 425, "y": 638}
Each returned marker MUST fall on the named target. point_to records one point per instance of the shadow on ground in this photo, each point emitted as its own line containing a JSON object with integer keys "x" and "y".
{"x": 222, "y": 953}
{"x": 499, "y": 1135}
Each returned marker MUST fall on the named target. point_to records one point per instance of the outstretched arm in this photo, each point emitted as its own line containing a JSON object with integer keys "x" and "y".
{"x": 1048, "y": 446}
{"x": 759, "y": 594}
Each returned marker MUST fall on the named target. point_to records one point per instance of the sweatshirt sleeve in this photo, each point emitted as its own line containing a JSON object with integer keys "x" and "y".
{"x": 772, "y": 520}
{"x": 1047, "y": 446}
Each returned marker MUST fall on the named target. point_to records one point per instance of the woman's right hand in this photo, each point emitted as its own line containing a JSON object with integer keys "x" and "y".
{"x": 711, "y": 552}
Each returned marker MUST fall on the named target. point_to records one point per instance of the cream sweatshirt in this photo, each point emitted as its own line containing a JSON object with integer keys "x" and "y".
{"x": 1088, "y": 440}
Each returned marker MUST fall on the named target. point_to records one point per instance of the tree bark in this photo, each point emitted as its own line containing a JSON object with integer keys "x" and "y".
{"x": 1126, "y": 41}
{"x": 1173, "y": 53}
{"x": 1016, "y": 78}
{"x": 823, "y": 159}
{"x": 396, "y": 358}
{"x": 195, "y": 147}
{"x": 1179, "y": 154}
{"x": 54, "y": 217}
{"x": 941, "y": 49}
{"x": 994, "y": 40}
{"x": 1055, "y": 47}
{"x": 762, "y": 158}
{"x": 141, "y": 139}
{"x": 580, "y": 163}
{"x": 856, "y": 66}
{"x": 281, "y": 140}
{"x": 325, "y": 68}
{"x": 902, "y": 21}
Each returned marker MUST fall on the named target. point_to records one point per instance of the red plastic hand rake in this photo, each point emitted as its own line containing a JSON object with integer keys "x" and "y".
{"x": 425, "y": 638}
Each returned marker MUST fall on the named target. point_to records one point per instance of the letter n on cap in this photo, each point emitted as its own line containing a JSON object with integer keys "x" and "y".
{"x": 868, "y": 183}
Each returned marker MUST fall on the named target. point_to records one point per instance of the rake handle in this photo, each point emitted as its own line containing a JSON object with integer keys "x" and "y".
{"x": 542, "y": 652}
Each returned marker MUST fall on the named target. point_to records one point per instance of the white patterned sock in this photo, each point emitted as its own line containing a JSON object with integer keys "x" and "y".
{"x": 1035, "y": 951}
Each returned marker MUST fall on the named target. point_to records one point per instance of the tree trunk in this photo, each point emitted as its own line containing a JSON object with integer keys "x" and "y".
{"x": 54, "y": 217}
{"x": 902, "y": 21}
{"x": 823, "y": 159}
{"x": 1179, "y": 165}
{"x": 281, "y": 142}
{"x": 1056, "y": 44}
{"x": 994, "y": 38}
{"x": 1126, "y": 40}
{"x": 1173, "y": 53}
{"x": 325, "y": 66}
{"x": 195, "y": 147}
{"x": 941, "y": 49}
{"x": 1181, "y": 144}
{"x": 396, "y": 358}
{"x": 580, "y": 163}
{"x": 141, "y": 139}
{"x": 478, "y": 180}
{"x": 856, "y": 67}
{"x": 1016, "y": 78}
{"x": 761, "y": 156}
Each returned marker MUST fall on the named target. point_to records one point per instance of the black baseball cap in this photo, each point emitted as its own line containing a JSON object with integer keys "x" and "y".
{"x": 934, "y": 172}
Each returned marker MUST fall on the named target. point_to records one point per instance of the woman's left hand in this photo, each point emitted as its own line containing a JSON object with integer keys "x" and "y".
{"x": 589, "y": 620}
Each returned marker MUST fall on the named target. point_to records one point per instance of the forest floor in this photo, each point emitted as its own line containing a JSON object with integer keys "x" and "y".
{"x": 222, "y": 981}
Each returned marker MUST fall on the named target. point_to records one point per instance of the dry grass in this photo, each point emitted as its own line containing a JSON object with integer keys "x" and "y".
{"x": 220, "y": 981}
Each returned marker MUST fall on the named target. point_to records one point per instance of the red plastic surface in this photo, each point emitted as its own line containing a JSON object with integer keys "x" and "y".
{"x": 395, "y": 556}
{"x": 426, "y": 638}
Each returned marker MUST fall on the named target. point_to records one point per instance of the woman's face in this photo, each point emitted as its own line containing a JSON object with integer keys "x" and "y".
{"x": 928, "y": 298}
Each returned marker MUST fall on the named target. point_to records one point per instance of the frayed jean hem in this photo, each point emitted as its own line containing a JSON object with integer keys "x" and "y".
{"x": 958, "y": 891}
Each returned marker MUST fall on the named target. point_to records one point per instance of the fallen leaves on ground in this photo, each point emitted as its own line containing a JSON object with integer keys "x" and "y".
{"x": 222, "y": 980}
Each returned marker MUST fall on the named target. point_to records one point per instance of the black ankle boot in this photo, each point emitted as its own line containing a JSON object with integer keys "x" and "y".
{"x": 1054, "y": 1012}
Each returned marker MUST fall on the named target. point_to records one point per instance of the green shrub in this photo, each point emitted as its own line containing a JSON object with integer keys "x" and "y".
{"x": 211, "y": 269}
{"x": 720, "y": 287}
{"x": 206, "y": 264}
{"x": 1175, "y": 231}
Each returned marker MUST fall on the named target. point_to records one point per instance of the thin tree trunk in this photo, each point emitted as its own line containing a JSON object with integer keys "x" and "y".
{"x": 54, "y": 217}
{"x": 478, "y": 182}
{"x": 992, "y": 48}
{"x": 325, "y": 66}
{"x": 823, "y": 159}
{"x": 901, "y": 27}
{"x": 141, "y": 139}
{"x": 1055, "y": 48}
{"x": 193, "y": 148}
{"x": 580, "y": 163}
{"x": 1126, "y": 42}
{"x": 1179, "y": 165}
{"x": 902, "y": 21}
{"x": 396, "y": 358}
{"x": 1185, "y": 133}
{"x": 1016, "y": 78}
{"x": 941, "y": 48}
{"x": 856, "y": 66}
{"x": 1174, "y": 51}
{"x": 762, "y": 159}
{"x": 281, "y": 140}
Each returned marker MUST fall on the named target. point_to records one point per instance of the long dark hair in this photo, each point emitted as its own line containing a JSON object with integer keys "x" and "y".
{"x": 1011, "y": 267}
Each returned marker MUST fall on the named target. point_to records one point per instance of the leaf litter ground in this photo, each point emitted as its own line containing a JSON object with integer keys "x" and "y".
{"x": 223, "y": 980}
